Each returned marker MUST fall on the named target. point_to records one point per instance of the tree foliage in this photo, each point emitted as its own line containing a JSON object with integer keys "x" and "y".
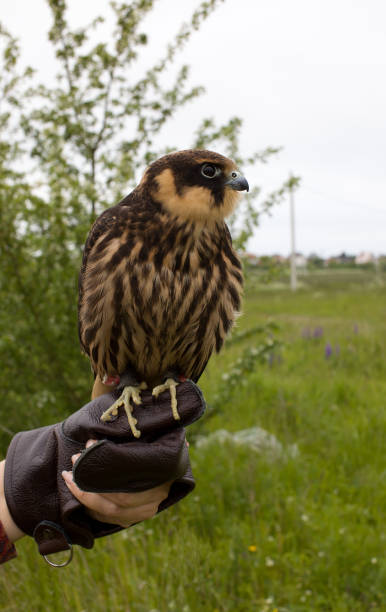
{"x": 67, "y": 151}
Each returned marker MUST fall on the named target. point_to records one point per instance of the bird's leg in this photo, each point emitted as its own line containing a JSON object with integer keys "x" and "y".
{"x": 131, "y": 391}
{"x": 170, "y": 383}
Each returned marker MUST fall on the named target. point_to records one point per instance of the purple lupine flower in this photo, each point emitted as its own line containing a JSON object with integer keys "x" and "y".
{"x": 328, "y": 350}
{"x": 318, "y": 332}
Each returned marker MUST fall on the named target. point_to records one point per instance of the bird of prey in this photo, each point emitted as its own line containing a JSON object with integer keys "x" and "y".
{"x": 160, "y": 283}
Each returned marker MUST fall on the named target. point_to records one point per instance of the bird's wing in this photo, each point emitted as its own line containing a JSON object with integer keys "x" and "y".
{"x": 99, "y": 283}
{"x": 99, "y": 228}
{"x": 195, "y": 378}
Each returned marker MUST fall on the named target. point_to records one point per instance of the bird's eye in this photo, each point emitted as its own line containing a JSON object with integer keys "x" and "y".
{"x": 209, "y": 171}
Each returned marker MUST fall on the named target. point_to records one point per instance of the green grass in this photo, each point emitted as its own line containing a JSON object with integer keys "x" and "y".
{"x": 292, "y": 532}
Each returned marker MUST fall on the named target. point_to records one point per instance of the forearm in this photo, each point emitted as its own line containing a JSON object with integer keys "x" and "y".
{"x": 11, "y": 529}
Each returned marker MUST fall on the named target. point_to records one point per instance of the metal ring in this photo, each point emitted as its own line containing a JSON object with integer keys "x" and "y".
{"x": 46, "y": 559}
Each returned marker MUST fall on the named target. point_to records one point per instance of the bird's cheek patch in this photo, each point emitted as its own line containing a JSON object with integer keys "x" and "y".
{"x": 194, "y": 203}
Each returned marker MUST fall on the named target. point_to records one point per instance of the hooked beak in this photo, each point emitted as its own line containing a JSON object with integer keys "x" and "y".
{"x": 237, "y": 181}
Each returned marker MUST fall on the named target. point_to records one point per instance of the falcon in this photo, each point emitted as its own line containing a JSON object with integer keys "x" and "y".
{"x": 160, "y": 283}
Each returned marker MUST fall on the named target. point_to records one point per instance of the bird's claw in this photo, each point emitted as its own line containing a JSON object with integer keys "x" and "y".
{"x": 170, "y": 384}
{"x": 128, "y": 393}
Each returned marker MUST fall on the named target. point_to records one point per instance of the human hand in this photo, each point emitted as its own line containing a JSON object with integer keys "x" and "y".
{"x": 122, "y": 509}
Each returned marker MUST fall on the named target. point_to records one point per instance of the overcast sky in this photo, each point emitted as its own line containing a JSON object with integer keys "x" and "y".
{"x": 308, "y": 75}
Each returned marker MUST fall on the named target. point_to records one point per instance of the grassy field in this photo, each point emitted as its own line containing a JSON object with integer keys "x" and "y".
{"x": 294, "y": 523}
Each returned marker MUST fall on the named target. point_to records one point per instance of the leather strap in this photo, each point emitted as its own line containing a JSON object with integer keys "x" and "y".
{"x": 51, "y": 537}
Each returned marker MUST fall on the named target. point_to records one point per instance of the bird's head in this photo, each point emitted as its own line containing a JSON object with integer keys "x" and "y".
{"x": 195, "y": 185}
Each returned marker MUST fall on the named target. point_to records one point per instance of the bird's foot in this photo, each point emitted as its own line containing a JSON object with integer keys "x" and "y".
{"x": 170, "y": 384}
{"x": 128, "y": 393}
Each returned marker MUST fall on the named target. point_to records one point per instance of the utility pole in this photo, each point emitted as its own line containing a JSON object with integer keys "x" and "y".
{"x": 291, "y": 185}
{"x": 378, "y": 276}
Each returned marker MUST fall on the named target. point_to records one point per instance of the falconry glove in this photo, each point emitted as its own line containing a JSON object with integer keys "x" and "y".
{"x": 39, "y": 500}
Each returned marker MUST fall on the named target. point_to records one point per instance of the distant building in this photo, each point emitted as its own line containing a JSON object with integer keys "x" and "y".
{"x": 279, "y": 259}
{"x": 364, "y": 258}
{"x": 343, "y": 259}
{"x": 251, "y": 258}
{"x": 300, "y": 260}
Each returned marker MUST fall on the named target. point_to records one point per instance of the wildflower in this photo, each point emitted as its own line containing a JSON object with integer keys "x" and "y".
{"x": 318, "y": 332}
{"x": 269, "y": 562}
{"x": 356, "y": 329}
{"x": 321, "y": 554}
{"x": 328, "y": 350}
{"x": 305, "y": 518}
{"x": 374, "y": 560}
{"x": 252, "y": 548}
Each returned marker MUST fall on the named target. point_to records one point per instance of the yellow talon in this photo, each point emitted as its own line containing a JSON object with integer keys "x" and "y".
{"x": 128, "y": 393}
{"x": 170, "y": 384}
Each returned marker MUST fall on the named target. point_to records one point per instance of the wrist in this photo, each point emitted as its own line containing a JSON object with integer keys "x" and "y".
{"x": 11, "y": 529}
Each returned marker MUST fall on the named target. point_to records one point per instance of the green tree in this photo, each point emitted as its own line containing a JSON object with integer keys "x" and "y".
{"x": 69, "y": 137}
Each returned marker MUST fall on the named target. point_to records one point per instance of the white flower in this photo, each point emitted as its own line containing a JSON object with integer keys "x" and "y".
{"x": 305, "y": 518}
{"x": 374, "y": 560}
{"x": 269, "y": 562}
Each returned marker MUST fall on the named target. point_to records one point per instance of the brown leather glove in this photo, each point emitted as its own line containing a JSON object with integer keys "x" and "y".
{"x": 40, "y": 502}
